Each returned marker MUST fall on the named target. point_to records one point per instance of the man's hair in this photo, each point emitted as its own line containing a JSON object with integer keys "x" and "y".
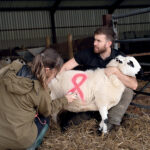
{"x": 108, "y": 31}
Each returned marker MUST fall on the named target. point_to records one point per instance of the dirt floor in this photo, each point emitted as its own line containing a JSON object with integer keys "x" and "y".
{"x": 133, "y": 134}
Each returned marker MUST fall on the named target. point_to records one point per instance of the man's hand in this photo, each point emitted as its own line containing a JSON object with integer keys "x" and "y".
{"x": 128, "y": 81}
{"x": 111, "y": 70}
{"x": 70, "y": 64}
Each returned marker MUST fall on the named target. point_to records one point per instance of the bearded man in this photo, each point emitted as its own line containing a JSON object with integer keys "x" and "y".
{"x": 98, "y": 57}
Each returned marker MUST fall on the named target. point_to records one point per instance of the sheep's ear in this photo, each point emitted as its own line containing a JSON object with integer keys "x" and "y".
{"x": 112, "y": 63}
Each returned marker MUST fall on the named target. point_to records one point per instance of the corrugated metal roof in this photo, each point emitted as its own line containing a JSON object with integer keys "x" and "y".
{"x": 25, "y": 3}
{"x": 71, "y": 3}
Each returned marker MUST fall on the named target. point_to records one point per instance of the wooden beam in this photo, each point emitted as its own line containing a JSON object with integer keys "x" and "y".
{"x": 48, "y": 42}
{"x": 140, "y": 54}
{"x": 114, "y": 6}
{"x": 52, "y": 13}
{"x": 53, "y": 29}
{"x": 69, "y": 8}
{"x": 107, "y": 20}
{"x": 55, "y": 5}
{"x": 70, "y": 46}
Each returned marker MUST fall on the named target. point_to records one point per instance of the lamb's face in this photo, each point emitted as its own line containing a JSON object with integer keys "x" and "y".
{"x": 6, "y": 60}
{"x": 116, "y": 62}
{"x": 133, "y": 66}
{"x": 127, "y": 65}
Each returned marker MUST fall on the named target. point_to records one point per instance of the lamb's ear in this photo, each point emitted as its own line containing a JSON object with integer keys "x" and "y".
{"x": 112, "y": 63}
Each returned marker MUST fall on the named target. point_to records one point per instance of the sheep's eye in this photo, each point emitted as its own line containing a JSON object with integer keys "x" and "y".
{"x": 130, "y": 63}
{"x": 117, "y": 59}
{"x": 120, "y": 61}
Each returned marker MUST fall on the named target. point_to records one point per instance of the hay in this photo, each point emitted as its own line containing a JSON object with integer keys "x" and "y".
{"x": 133, "y": 134}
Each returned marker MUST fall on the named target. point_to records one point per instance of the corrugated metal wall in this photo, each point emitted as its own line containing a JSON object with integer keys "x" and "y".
{"x": 30, "y": 28}
{"x": 80, "y": 23}
{"x": 27, "y": 28}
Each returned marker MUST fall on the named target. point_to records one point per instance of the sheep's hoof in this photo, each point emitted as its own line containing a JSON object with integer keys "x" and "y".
{"x": 99, "y": 133}
{"x": 101, "y": 129}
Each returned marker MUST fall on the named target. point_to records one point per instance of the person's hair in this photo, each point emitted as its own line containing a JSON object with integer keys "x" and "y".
{"x": 47, "y": 58}
{"x": 108, "y": 31}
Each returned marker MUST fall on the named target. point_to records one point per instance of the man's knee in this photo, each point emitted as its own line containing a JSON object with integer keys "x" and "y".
{"x": 127, "y": 95}
{"x": 117, "y": 112}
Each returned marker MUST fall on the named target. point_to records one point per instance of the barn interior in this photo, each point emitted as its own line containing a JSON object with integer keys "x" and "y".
{"x": 67, "y": 25}
{"x": 28, "y": 26}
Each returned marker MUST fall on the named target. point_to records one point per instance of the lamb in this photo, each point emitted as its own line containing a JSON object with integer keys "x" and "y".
{"x": 5, "y": 67}
{"x": 4, "y": 61}
{"x": 93, "y": 93}
{"x": 8, "y": 60}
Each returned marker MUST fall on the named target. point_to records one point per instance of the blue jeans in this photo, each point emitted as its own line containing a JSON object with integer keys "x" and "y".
{"x": 39, "y": 123}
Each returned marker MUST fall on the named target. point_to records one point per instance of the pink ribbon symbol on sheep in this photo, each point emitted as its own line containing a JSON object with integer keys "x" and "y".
{"x": 77, "y": 85}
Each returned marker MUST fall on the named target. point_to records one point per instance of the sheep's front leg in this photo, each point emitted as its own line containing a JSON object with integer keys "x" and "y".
{"x": 54, "y": 117}
{"x": 103, "y": 124}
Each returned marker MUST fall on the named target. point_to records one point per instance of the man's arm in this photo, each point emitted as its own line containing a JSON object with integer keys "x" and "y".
{"x": 128, "y": 81}
{"x": 70, "y": 64}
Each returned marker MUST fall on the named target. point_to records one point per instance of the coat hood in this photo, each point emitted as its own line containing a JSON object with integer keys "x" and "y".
{"x": 17, "y": 84}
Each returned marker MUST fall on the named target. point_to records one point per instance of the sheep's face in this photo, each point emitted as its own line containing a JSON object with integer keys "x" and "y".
{"x": 6, "y": 60}
{"x": 21, "y": 61}
{"x": 127, "y": 65}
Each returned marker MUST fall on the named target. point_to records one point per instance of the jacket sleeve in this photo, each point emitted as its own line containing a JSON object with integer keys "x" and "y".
{"x": 58, "y": 104}
{"x": 48, "y": 106}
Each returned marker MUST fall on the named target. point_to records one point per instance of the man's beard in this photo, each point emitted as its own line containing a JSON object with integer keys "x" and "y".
{"x": 100, "y": 50}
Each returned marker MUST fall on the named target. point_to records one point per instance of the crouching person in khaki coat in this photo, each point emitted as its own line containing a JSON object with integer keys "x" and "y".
{"x": 23, "y": 95}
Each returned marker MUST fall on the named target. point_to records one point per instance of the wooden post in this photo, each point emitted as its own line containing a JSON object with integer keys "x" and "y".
{"x": 48, "y": 42}
{"x": 107, "y": 20}
{"x": 54, "y": 39}
{"x": 70, "y": 47}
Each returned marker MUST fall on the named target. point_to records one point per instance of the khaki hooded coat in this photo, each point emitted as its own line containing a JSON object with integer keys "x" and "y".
{"x": 20, "y": 98}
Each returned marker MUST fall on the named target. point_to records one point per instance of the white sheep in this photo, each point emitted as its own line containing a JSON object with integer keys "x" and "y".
{"x": 4, "y": 61}
{"x": 97, "y": 92}
{"x": 6, "y": 66}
